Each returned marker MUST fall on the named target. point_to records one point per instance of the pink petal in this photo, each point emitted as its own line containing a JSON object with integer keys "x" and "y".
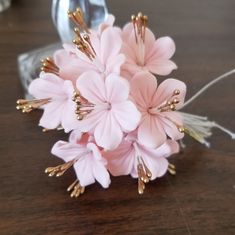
{"x": 121, "y": 160}
{"x": 166, "y": 90}
{"x": 90, "y": 121}
{"x": 47, "y": 86}
{"x": 148, "y": 41}
{"x": 127, "y": 31}
{"x": 129, "y": 53}
{"x": 117, "y": 88}
{"x": 143, "y": 87}
{"x": 150, "y": 132}
{"x": 101, "y": 174}
{"x": 157, "y": 165}
{"x": 84, "y": 171}
{"x": 174, "y": 147}
{"x": 171, "y": 125}
{"x": 109, "y": 37}
{"x": 108, "y": 22}
{"x": 52, "y": 114}
{"x": 114, "y": 64}
{"x": 75, "y": 136}
{"x": 126, "y": 115}
{"x": 163, "y": 48}
{"x": 69, "y": 120}
{"x": 132, "y": 68}
{"x": 108, "y": 133}
{"x": 66, "y": 151}
{"x": 92, "y": 87}
{"x": 161, "y": 66}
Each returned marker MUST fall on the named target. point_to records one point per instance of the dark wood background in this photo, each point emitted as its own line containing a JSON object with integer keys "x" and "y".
{"x": 199, "y": 200}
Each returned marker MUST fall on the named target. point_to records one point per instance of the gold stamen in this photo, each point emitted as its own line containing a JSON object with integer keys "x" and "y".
{"x": 78, "y": 19}
{"x": 141, "y": 186}
{"x": 60, "y": 169}
{"x": 82, "y": 40}
{"x": 28, "y": 105}
{"x": 49, "y": 66}
{"x": 181, "y": 129}
{"x": 83, "y": 43}
{"x": 144, "y": 175}
{"x": 171, "y": 169}
{"x": 76, "y": 188}
{"x": 139, "y": 23}
{"x": 83, "y": 107}
{"x": 47, "y": 130}
{"x": 170, "y": 104}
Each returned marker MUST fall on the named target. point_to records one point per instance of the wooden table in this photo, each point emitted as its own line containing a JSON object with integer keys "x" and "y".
{"x": 199, "y": 200}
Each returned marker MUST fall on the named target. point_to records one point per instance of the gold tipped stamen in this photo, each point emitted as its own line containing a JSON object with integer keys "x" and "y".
{"x": 27, "y": 106}
{"x": 170, "y": 104}
{"x": 76, "y": 189}
{"x": 83, "y": 43}
{"x": 171, "y": 169}
{"x": 82, "y": 40}
{"x": 60, "y": 169}
{"x": 45, "y": 130}
{"x": 78, "y": 19}
{"x": 181, "y": 129}
{"x": 139, "y": 23}
{"x": 49, "y": 66}
{"x": 144, "y": 175}
{"x": 83, "y": 107}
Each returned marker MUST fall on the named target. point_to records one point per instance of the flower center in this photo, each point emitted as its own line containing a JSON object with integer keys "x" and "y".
{"x": 168, "y": 105}
{"x": 84, "y": 107}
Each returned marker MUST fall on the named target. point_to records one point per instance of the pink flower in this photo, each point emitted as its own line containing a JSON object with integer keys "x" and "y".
{"x": 86, "y": 159}
{"x": 103, "y": 50}
{"x": 157, "y": 105}
{"x": 60, "y": 109}
{"x": 130, "y": 154}
{"x": 110, "y": 113}
{"x": 147, "y": 54}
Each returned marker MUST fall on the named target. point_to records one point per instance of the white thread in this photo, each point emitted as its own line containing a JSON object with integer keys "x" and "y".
{"x": 203, "y": 89}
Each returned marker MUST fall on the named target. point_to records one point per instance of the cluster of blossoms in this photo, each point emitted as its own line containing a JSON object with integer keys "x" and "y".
{"x": 102, "y": 90}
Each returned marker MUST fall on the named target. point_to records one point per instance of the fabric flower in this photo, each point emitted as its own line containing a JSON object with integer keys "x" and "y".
{"x": 110, "y": 112}
{"x": 157, "y": 105}
{"x": 147, "y": 54}
{"x": 60, "y": 110}
{"x": 87, "y": 161}
{"x": 107, "y": 57}
{"x": 130, "y": 153}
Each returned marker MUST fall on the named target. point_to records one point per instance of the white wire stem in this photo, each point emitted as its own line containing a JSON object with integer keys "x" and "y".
{"x": 203, "y": 89}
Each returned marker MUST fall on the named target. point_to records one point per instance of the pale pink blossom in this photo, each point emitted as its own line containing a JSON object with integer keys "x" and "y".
{"x": 60, "y": 110}
{"x": 147, "y": 54}
{"x": 111, "y": 113}
{"x": 156, "y": 104}
{"x": 108, "y": 57}
{"x": 89, "y": 165}
{"x": 124, "y": 160}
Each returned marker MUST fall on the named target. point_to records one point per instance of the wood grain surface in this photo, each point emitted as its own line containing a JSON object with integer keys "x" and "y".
{"x": 200, "y": 199}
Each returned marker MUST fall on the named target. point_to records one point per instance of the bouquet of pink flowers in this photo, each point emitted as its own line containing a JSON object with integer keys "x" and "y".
{"x": 102, "y": 90}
